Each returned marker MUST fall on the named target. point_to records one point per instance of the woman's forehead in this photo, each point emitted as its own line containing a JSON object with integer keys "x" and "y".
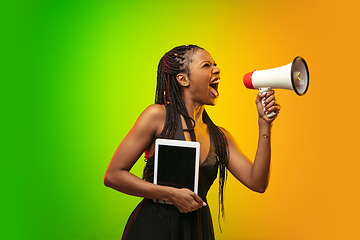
{"x": 202, "y": 55}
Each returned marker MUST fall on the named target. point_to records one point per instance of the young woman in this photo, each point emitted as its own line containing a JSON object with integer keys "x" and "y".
{"x": 187, "y": 80}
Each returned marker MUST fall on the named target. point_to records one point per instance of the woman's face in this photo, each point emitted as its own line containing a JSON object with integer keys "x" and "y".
{"x": 204, "y": 78}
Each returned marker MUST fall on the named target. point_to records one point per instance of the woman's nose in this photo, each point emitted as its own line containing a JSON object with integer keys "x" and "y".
{"x": 216, "y": 70}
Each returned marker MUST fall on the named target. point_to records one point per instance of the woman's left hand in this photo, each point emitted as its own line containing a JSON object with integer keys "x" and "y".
{"x": 266, "y": 103}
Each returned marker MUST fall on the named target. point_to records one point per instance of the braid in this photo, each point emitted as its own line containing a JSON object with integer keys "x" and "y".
{"x": 221, "y": 147}
{"x": 169, "y": 90}
{"x": 169, "y": 93}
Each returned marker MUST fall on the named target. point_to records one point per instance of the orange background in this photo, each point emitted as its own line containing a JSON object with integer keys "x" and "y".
{"x": 315, "y": 166}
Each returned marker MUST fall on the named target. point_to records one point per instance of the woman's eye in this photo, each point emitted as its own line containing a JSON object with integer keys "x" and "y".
{"x": 206, "y": 65}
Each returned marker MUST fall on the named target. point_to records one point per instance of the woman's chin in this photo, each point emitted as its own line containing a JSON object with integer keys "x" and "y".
{"x": 213, "y": 102}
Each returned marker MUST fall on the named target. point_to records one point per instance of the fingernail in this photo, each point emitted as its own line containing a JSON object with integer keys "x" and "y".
{"x": 263, "y": 98}
{"x": 264, "y": 105}
{"x": 204, "y": 204}
{"x": 264, "y": 109}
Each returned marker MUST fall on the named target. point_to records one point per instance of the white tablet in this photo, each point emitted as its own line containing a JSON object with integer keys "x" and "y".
{"x": 176, "y": 163}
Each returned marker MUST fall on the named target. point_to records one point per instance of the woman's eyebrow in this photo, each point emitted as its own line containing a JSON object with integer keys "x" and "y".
{"x": 209, "y": 61}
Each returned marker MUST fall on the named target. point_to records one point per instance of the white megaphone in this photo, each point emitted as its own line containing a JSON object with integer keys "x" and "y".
{"x": 293, "y": 76}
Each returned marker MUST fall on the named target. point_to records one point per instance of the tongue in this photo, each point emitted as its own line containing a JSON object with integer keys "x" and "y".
{"x": 214, "y": 92}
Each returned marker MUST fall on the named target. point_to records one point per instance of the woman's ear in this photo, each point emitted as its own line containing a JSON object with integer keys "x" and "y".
{"x": 183, "y": 79}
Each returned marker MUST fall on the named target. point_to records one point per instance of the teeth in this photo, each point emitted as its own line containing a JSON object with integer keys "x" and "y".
{"x": 215, "y": 81}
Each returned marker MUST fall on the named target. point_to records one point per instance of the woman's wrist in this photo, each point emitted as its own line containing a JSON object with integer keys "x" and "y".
{"x": 264, "y": 128}
{"x": 263, "y": 123}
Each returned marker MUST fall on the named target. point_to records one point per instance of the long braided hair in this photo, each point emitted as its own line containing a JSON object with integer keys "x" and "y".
{"x": 169, "y": 93}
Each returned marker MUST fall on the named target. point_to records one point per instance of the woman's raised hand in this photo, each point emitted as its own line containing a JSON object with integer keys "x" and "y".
{"x": 266, "y": 103}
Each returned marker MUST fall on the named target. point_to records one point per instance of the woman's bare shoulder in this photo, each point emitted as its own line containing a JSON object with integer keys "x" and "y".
{"x": 228, "y": 136}
{"x": 226, "y": 132}
{"x": 150, "y": 122}
{"x": 152, "y": 118}
{"x": 154, "y": 112}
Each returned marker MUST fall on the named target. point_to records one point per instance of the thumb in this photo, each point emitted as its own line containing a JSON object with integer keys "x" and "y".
{"x": 199, "y": 200}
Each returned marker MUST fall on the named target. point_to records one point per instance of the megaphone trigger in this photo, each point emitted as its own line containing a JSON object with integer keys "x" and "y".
{"x": 265, "y": 90}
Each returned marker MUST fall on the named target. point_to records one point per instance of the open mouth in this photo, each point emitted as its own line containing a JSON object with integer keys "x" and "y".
{"x": 214, "y": 87}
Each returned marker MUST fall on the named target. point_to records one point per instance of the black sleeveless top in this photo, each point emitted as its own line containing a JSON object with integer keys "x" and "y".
{"x": 157, "y": 221}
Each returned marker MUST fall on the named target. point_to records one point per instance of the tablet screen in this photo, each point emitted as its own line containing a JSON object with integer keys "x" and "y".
{"x": 177, "y": 164}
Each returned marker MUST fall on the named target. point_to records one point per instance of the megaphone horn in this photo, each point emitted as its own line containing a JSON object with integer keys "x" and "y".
{"x": 293, "y": 76}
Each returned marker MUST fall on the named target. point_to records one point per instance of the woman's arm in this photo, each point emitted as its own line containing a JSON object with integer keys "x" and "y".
{"x": 140, "y": 138}
{"x": 254, "y": 175}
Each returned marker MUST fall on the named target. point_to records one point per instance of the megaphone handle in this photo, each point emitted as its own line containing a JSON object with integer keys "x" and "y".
{"x": 262, "y": 90}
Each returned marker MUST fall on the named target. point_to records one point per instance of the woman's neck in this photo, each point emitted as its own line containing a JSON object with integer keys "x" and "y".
{"x": 195, "y": 112}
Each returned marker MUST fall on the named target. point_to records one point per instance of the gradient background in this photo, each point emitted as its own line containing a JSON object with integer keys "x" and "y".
{"x": 75, "y": 75}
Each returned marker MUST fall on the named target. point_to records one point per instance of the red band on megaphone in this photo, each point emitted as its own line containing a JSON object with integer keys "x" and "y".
{"x": 248, "y": 80}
